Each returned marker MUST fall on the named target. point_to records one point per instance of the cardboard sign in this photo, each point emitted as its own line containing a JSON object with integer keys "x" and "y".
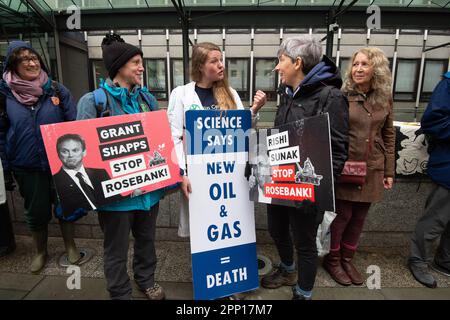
{"x": 96, "y": 162}
{"x": 292, "y": 163}
{"x": 222, "y": 222}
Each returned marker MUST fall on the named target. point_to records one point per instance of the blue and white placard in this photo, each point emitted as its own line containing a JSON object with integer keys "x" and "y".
{"x": 221, "y": 216}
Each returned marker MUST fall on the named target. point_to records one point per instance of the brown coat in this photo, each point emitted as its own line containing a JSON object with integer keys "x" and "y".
{"x": 371, "y": 137}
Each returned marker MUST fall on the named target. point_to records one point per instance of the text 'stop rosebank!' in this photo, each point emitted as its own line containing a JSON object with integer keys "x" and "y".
{"x": 292, "y": 163}
{"x": 222, "y": 225}
{"x": 101, "y": 161}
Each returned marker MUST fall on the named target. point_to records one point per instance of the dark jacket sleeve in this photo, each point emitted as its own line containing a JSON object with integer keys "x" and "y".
{"x": 70, "y": 107}
{"x": 4, "y": 125}
{"x": 436, "y": 119}
{"x": 337, "y": 108}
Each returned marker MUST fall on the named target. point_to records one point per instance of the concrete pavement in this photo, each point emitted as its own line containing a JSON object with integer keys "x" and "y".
{"x": 174, "y": 274}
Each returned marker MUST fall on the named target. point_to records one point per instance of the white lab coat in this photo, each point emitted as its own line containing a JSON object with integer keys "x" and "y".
{"x": 182, "y": 99}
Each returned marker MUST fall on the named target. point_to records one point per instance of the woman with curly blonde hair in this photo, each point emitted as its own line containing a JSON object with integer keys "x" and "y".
{"x": 367, "y": 86}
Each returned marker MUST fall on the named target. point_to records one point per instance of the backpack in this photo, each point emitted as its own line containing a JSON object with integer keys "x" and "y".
{"x": 102, "y": 101}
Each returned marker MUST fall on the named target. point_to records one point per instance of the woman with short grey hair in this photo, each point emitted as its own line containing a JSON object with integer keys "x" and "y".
{"x": 311, "y": 85}
{"x": 308, "y": 48}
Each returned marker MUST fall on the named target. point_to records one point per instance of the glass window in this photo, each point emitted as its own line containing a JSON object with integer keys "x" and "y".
{"x": 266, "y": 78}
{"x": 54, "y": 69}
{"x": 99, "y": 72}
{"x": 155, "y": 71}
{"x": 238, "y": 78}
{"x": 238, "y": 31}
{"x": 177, "y": 73}
{"x": 343, "y": 65}
{"x": 406, "y": 79}
{"x": 431, "y": 76}
{"x": 2, "y": 60}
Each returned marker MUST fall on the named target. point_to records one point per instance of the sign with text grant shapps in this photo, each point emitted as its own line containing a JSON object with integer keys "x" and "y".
{"x": 221, "y": 216}
{"x": 292, "y": 163}
{"x": 96, "y": 162}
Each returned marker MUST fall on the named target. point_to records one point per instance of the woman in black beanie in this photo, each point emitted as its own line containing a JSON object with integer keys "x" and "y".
{"x": 125, "y": 95}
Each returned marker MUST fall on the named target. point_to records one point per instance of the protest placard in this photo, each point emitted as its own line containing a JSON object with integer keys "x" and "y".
{"x": 292, "y": 163}
{"x": 222, "y": 223}
{"x": 96, "y": 162}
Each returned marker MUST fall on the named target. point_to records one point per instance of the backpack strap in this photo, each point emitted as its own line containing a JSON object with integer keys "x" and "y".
{"x": 57, "y": 90}
{"x": 3, "y": 112}
{"x": 150, "y": 100}
{"x": 324, "y": 97}
{"x": 101, "y": 103}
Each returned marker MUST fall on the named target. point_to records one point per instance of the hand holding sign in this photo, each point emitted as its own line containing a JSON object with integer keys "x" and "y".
{"x": 186, "y": 187}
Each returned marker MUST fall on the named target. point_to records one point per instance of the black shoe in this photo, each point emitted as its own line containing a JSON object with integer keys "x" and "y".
{"x": 440, "y": 268}
{"x": 298, "y": 296}
{"x": 422, "y": 275}
{"x": 4, "y": 251}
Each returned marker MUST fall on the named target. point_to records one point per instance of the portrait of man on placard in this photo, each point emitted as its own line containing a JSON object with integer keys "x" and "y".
{"x": 78, "y": 186}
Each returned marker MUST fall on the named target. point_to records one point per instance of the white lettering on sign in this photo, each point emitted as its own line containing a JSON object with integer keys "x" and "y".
{"x": 225, "y": 278}
{"x": 135, "y": 181}
{"x": 131, "y": 129}
{"x": 277, "y": 141}
{"x": 127, "y": 165}
{"x": 220, "y": 140}
{"x": 283, "y": 156}
{"x": 219, "y": 122}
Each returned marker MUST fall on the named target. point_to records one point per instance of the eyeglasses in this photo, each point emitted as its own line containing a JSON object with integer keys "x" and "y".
{"x": 28, "y": 59}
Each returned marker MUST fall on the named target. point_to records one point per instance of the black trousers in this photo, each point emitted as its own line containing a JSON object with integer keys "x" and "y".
{"x": 434, "y": 223}
{"x": 116, "y": 226}
{"x": 303, "y": 222}
{"x": 6, "y": 230}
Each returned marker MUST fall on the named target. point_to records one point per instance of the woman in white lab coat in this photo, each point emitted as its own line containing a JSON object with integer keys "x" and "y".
{"x": 209, "y": 90}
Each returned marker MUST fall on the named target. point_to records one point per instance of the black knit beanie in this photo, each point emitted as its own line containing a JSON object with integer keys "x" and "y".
{"x": 116, "y": 53}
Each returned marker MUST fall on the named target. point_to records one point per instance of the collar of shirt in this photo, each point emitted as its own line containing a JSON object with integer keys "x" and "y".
{"x": 290, "y": 92}
{"x": 72, "y": 174}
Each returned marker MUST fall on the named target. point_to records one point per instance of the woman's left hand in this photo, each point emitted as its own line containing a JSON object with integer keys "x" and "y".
{"x": 388, "y": 182}
{"x": 259, "y": 100}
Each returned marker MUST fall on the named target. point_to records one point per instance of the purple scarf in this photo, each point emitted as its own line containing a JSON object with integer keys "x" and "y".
{"x": 26, "y": 92}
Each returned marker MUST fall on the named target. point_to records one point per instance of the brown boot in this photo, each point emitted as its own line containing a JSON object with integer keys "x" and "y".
{"x": 278, "y": 278}
{"x": 346, "y": 261}
{"x": 332, "y": 264}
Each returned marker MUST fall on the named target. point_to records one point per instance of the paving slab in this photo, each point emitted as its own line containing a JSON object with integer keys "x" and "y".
{"x": 416, "y": 293}
{"x": 19, "y": 281}
{"x": 174, "y": 274}
{"x": 55, "y": 288}
{"x": 10, "y": 294}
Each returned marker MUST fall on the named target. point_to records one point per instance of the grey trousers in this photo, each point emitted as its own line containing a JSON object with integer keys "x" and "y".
{"x": 116, "y": 228}
{"x": 434, "y": 223}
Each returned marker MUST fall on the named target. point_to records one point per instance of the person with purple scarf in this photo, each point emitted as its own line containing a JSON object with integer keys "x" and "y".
{"x": 33, "y": 99}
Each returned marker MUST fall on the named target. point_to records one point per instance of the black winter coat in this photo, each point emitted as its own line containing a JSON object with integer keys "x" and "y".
{"x": 320, "y": 93}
